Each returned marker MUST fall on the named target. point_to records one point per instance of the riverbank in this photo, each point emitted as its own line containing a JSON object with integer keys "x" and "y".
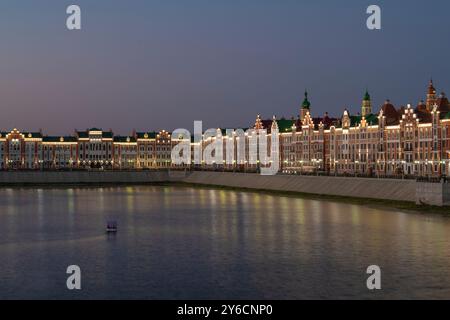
{"x": 396, "y": 193}
{"x": 380, "y": 203}
{"x": 399, "y": 194}
{"x": 383, "y": 189}
{"x": 376, "y": 203}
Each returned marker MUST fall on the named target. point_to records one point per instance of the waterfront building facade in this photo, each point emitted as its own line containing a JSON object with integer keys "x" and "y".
{"x": 57, "y": 152}
{"x": 404, "y": 141}
{"x": 94, "y": 149}
{"x": 20, "y": 150}
{"x": 146, "y": 148}
{"x": 125, "y": 152}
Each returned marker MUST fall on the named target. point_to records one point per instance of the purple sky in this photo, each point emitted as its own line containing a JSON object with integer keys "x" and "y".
{"x": 149, "y": 65}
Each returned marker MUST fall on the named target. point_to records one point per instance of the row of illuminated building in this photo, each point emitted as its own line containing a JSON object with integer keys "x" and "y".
{"x": 93, "y": 148}
{"x": 403, "y": 141}
{"x": 355, "y": 146}
{"x": 407, "y": 141}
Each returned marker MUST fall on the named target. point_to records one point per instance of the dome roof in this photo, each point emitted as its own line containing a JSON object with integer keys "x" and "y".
{"x": 306, "y": 104}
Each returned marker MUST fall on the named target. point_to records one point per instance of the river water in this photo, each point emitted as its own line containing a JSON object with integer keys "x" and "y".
{"x": 190, "y": 243}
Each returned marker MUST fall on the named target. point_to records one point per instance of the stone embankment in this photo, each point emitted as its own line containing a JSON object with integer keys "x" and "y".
{"x": 391, "y": 189}
{"x": 437, "y": 193}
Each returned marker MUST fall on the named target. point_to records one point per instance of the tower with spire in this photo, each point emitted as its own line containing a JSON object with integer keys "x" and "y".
{"x": 305, "y": 106}
{"x": 366, "y": 106}
{"x": 431, "y": 96}
{"x": 274, "y": 123}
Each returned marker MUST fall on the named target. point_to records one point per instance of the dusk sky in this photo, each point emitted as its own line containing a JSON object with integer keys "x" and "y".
{"x": 150, "y": 65}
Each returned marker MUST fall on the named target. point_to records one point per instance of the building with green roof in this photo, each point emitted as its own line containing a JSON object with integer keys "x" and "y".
{"x": 306, "y": 106}
{"x": 366, "y": 106}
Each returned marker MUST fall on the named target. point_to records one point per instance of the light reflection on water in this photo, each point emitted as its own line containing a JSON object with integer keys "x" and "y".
{"x": 214, "y": 244}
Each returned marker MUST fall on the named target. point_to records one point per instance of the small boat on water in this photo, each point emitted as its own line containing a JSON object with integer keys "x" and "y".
{"x": 111, "y": 226}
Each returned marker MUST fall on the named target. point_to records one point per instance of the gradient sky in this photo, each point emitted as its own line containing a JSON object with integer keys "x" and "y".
{"x": 148, "y": 65}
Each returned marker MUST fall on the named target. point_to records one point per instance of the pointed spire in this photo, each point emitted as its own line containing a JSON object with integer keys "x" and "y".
{"x": 306, "y": 104}
{"x": 431, "y": 89}
{"x": 274, "y": 123}
{"x": 367, "y": 96}
{"x": 346, "y": 119}
{"x": 431, "y": 96}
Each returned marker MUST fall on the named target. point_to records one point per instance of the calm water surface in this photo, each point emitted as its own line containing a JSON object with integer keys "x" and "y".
{"x": 190, "y": 243}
